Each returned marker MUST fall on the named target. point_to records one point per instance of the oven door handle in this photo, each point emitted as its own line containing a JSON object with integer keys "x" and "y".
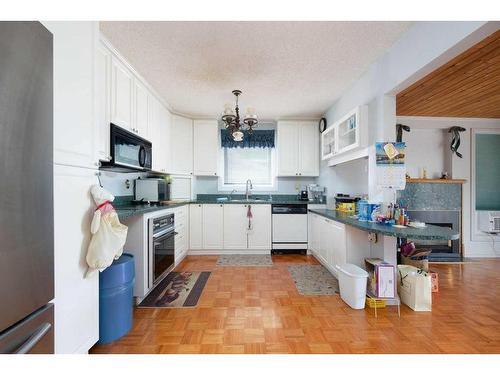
{"x": 163, "y": 233}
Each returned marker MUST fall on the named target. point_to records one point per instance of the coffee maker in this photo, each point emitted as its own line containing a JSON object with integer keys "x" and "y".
{"x": 315, "y": 192}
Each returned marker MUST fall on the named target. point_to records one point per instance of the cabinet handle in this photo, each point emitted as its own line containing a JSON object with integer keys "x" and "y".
{"x": 215, "y": 174}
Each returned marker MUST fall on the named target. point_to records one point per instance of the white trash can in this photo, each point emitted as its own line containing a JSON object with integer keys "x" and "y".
{"x": 352, "y": 285}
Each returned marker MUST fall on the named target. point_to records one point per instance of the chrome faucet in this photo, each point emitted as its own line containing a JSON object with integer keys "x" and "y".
{"x": 248, "y": 192}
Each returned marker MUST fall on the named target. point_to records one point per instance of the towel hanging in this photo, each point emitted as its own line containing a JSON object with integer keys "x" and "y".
{"x": 249, "y": 216}
{"x": 455, "y": 141}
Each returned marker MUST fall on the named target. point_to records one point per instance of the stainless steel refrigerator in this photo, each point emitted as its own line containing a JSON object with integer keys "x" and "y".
{"x": 26, "y": 189}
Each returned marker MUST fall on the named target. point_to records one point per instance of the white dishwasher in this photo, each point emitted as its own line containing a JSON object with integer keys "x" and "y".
{"x": 289, "y": 228}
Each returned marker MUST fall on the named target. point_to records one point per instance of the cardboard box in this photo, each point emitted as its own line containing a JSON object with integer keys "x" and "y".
{"x": 381, "y": 278}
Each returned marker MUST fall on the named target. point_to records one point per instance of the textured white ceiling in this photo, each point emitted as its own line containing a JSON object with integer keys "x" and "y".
{"x": 285, "y": 69}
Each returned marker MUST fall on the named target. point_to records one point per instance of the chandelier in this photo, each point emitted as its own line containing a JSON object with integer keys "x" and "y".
{"x": 231, "y": 119}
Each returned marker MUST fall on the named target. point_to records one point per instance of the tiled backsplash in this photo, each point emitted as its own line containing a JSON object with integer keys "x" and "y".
{"x": 431, "y": 196}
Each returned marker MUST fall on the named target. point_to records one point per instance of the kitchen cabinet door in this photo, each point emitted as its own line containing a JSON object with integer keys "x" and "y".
{"x": 164, "y": 138}
{"x": 205, "y": 147}
{"x": 308, "y": 149}
{"x": 76, "y": 296}
{"x": 288, "y": 153}
{"x": 102, "y": 101}
{"x": 159, "y": 120}
{"x": 213, "y": 226}
{"x": 195, "y": 226}
{"x": 140, "y": 109}
{"x": 73, "y": 85}
{"x": 314, "y": 232}
{"x": 181, "y": 146}
{"x": 327, "y": 238}
{"x": 235, "y": 226}
{"x": 339, "y": 255}
{"x": 121, "y": 95}
{"x": 259, "y": 237}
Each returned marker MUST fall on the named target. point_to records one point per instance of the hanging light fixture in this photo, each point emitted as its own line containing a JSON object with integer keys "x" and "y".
{"x": 232, "y": 119}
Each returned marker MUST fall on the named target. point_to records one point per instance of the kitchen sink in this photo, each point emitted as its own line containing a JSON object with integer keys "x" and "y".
{"x": 249, "y": 200}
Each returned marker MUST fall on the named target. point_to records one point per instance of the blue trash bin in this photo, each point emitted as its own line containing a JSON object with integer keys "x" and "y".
{"x": 116, "y": 294}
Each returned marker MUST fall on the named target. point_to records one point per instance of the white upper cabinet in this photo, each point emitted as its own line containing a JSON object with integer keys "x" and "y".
{"x": 74, "y": 107}
{"x": 159, "y": 120}
{"x": 328, "y": 143}
{"x": 308, "y": 149}
{"x": 122, "y": 81}
{"x": 259, "y": 236}
{"x": 102, "y": 88}
{"x": 205, "y": 147}
{"x": 235, "y": 226}
{"x": 164, "y": 141}
{"x": 288, "y": 149}
{"x": 348, "y": 134}
{"x": 140, "y": 124}
{"x": 181, "y": 147}
{"x": 298, "y": 153}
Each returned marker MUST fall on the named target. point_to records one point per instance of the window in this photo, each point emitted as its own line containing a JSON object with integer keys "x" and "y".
{"x": 241, "y": 164}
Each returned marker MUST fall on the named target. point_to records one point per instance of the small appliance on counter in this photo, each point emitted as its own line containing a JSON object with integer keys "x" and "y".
{"x": 152, "y": 190}
{"x": 304, "y": 196}
{"x": 315, "y": 192}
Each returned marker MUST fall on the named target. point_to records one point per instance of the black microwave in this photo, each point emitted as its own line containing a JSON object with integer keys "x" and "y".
{"x": 129, "y": 152}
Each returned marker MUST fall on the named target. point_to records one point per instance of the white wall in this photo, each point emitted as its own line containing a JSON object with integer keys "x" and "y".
{"x": 347, "y": 178}
{"x": 115, "y": 183}
{"x": 423, "y": 48}
{"x": 475, "y": 244}
{"x": 427, "y": 148}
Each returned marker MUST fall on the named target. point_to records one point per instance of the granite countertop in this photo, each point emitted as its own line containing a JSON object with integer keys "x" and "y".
{"x": 126, "y": 209}
{"x": 430, "y": 232}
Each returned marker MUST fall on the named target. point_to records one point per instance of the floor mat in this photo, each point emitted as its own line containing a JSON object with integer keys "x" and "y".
{"x": 177, "y": 289}
{"x": 313, "y": 280}
{"x": 244, "y": 260}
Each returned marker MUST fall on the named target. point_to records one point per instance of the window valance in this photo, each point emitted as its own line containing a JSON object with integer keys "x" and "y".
{"x": 258, "y": 138}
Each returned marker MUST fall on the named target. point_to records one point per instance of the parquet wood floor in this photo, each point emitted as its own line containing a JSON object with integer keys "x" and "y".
{"x": 258, "y": 310}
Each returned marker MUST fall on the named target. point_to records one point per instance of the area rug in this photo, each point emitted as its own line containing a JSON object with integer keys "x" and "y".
{"x": 244, "y": 260}
{"x": 313, "y": 280}
{"x": 177, "y": 289}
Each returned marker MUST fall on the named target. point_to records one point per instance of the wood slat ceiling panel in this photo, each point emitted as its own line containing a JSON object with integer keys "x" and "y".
{"x": 466, "y": 86}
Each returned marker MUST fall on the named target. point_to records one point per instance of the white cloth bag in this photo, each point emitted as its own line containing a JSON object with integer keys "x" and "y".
{"x": 108, "y": 234}
{"x": 414, "y": 288}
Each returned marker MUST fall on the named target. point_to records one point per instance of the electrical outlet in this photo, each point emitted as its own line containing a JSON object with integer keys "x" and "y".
{"x": 372, "y": 237}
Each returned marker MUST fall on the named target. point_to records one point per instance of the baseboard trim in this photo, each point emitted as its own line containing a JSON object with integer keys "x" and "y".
{"x": 230, "y": 251}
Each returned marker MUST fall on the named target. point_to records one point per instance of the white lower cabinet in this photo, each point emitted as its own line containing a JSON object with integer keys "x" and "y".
{"x": 240, "y": 233}
{"x": 215, "y": 228}
{"x": 259, "y": 237}
{"x": 181, "y": 216}
{"x": 327, "y": 241}
{"x": 235, "y": 226}
{"x": 195, "y": 227}
{"x": 76, "y": 296}
{"x": 206, "y": 227}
